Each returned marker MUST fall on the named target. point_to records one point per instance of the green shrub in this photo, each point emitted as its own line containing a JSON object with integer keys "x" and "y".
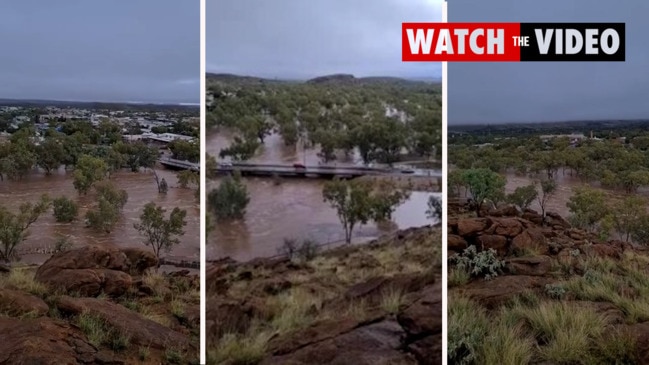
{"x": 478, "y": 264}
{"x": 65, "y": 210}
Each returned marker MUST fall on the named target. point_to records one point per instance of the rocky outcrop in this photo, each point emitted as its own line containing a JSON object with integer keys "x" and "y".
{"x": 391, "y": 316}
{"x": 516, "y": 236}
{"x": 365, "y": 345}
{"x": 92, "y": 270}
{"x": 43, "y": 341}
{"x": 48, "y": 327}
{"x": 140, "y": 330}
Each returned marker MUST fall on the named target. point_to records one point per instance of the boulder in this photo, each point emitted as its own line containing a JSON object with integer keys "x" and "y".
{"x": 456, "y": 243}
{"x": 506, "y": 211}
{"x": 554, "y": 219}
{"x": 43, "y": 341}
{"x": 140, "y": 260}
{"x": 508, "y": 227}
{"x": 424, "y": 316}
{"x": 497, "y": 291}
{"x": 18, "y": 303}
{"x": 471, "y": 226}
{"x": 87, "y": 271}
{"x": 491, "y": 241}
{"x": 530, "y": 240}
{"x": 603, "y": 250}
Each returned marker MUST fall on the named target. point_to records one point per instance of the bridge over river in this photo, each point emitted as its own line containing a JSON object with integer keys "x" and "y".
{"x": 178, "y": 164}
{"x": 321, "y": 171}
{"x": 315, "y": 171}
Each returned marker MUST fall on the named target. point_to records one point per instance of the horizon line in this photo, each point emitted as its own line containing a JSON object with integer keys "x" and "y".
{"x": 133, "y": 102}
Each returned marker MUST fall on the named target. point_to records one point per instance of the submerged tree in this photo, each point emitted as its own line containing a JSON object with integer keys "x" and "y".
{"x": 88, "y": 171}
{"x": 484, "y": 184}
{"x": 110, "y": 201}
{"x": 229, "y": 200}
{"x": 359, "y": 201}
{"x": 188, "y": 177}
{"x": 161, "y": 233}
{"x": 14, "y": 226}
{"x": 434, "y": 210}
{"x": 65, "y": 209}
{"x": 548, "y": 188}
{"x": 523, "y": 196}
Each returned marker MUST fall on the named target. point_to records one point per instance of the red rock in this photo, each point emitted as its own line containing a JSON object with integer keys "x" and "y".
{"x": 498, "y": 243}
{"x": 87, "y": 271}
{"x": 497, "y": 291}
{"x": 530, "y": 240}
{"x": 42, "y": 341}
{"x": 141, "y": 331}
{"x": 17, "y": 303}
{"x": 471, "y": 226}
{"x": 604, "y": 250}
{"x": 370, "y": 344}
{"x": 456, "y": 243}
{"x": 509, "y": 227}
{"x": 533, "y": 266}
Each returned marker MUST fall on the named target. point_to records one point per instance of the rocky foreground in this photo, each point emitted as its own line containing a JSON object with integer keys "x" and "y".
{"x": 378, "y": 303}
{"x": 525, "y": 291}
{"x": 98, "y": 305}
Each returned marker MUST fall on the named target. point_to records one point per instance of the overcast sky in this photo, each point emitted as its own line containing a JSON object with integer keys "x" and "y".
{"x": 548, "y": 91}
{"x": 303, "y": 39}
{"x": 144, "y": 50}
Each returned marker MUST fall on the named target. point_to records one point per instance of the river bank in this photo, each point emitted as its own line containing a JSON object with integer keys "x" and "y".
{"x": 320, "y": 310}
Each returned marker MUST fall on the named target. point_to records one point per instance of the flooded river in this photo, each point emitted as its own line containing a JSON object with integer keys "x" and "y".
{"x": 557, "y": 204}
{"x": 141, "y": 189}
{"x": 294, "y": 208}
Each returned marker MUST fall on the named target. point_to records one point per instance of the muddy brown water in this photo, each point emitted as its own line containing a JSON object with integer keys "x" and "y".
{"x": 294, "y": 208}
{"x": 556, "y": 204}
{"x": 141, "y": 189}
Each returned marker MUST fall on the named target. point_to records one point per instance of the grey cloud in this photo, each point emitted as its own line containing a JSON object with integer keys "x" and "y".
{"x": 528, "y": 92}
{"x": 301, "y": 39}
{"x": 100, "y": 50}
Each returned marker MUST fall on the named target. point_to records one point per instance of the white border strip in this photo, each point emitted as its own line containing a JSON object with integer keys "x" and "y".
{"x": 444, "y": 199}
{"x": 203, "y": 357}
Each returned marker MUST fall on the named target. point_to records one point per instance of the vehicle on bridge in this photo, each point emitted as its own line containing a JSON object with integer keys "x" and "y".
{"x": 299, "y": 166}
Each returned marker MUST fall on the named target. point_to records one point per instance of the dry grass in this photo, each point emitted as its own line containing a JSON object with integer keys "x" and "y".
{"x": 23, "y": 279}
{"x": 529, "y": 329}
{"x": 565, "y": 331}
{"x": 392, "y": 300}
{"x": 321, "y": 280}
{"x": 458, "y": 276}
{"x": 294, "y": 309}
{"x": 239, "y": 350}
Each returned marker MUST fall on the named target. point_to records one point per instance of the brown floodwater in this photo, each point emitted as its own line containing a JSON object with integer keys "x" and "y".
{"x": 141, "y": 189}
{"x": 557, "y": 204}
{"x": 294, "y": 208}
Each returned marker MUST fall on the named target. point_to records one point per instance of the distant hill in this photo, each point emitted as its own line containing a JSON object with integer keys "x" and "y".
{"x": 231, "y": 78}
{"x": 333, "y": 79}
{"x": 557, "y": 127}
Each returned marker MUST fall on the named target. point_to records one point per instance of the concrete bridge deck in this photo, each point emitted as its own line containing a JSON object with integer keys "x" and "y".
{"x": 179, "y": 164}
{"x": 321, "y": 171}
